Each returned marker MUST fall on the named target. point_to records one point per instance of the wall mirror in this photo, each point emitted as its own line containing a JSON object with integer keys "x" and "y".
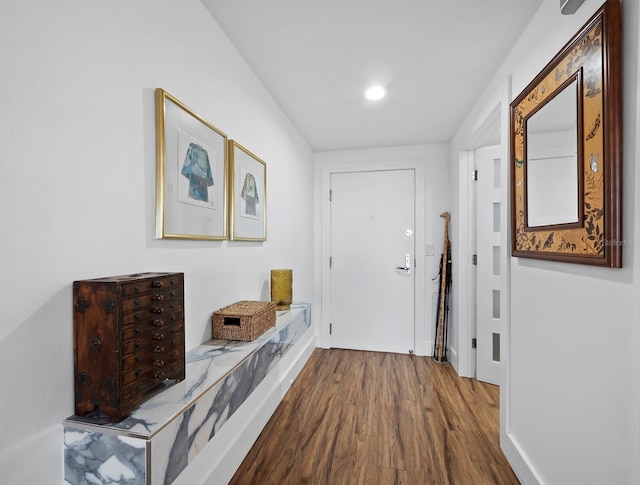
{"x": 566, "y": 134}
{"x": 553, "y": 173}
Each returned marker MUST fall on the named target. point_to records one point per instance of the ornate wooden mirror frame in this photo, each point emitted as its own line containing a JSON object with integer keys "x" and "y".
{"x": 593, "y": 58}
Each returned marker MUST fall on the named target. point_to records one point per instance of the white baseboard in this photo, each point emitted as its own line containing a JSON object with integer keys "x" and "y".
{"x": 520, "y": 463}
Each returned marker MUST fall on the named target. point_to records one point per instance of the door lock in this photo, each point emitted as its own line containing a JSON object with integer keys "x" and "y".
{"x": 407, "y": 264}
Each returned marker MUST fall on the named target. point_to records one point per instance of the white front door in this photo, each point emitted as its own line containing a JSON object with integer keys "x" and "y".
{"x": 373, "y": 260}
{"x": 490, "y": 275}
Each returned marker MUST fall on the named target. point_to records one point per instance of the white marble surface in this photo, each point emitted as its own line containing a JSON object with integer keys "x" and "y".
{"x": 176, "y": 423}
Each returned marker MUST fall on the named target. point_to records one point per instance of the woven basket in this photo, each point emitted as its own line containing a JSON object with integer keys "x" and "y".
{"x": 244, "y": 320}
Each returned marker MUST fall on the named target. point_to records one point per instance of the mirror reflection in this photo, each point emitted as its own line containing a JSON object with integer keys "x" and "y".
{"x": 552, "y": 161}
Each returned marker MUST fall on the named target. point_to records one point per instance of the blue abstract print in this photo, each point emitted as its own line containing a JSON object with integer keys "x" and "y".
{"x": 197, "y": 170}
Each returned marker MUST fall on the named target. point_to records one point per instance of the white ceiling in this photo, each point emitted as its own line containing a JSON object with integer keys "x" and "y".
{"x": 316, "y": 57}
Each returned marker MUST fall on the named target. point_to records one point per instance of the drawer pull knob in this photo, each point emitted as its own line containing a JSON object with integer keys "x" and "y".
{"x": 95, "y": 344}
{"x": 158, "y": 323}
{"x": 158, "y": 297}
{"x": 159, "y": 363}
{"x": 157, "y": 309}
{"x": 157, "y": 284}
{"x": 136, "y": 288}
{"x": 138, "y": 372}
{"x": 136, "y": 329}
{"x": 137, "y": 302}
{"x": 158, "y": 336}
{"x": 158, "y": 349}
{"x": 136, "y": 344}
{"x": 159, "y": 375}
{"x": 138, "y": 359}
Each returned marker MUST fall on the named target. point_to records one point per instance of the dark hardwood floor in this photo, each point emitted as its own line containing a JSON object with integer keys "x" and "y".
{"x": 354, "y": 417}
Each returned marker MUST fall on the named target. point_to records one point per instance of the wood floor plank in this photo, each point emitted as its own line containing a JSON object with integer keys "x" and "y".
{"x": 354, "y": 417}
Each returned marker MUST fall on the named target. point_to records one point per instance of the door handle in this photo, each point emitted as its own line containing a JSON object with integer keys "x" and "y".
{"x": 407, "y": 264}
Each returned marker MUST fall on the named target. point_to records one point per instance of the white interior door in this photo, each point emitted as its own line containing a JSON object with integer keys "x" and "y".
{"x": 489, "y": 298}
{"x": 373, "y": 260}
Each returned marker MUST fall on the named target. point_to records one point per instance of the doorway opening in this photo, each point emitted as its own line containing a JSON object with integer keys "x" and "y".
{"x": 484, "y": 230}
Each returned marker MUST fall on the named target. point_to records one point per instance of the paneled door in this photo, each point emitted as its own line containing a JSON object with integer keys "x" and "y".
{"x": 372, "y": 262}
{"x": 490, "y": 298}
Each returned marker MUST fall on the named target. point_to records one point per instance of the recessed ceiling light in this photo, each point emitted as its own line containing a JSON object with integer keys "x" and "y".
{"x": 375, "y": 93}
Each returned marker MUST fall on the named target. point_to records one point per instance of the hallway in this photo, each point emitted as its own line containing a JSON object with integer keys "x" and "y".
{"x": 354, "y": 417}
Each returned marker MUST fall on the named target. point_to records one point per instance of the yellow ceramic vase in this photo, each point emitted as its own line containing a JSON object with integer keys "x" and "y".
{"x": 282, "y": 288}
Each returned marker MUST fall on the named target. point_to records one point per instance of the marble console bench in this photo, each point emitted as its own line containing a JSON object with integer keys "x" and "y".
{"x": 161, "y": 437}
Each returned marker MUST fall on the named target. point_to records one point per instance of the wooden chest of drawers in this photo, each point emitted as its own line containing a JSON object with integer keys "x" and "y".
{"x": 128, "y": 339}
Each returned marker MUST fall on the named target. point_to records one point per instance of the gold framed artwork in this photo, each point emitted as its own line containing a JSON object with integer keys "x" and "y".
{"x": 566, "y": 151}
{"x": 191, "y": 173}
{"x": 248, "y": 195}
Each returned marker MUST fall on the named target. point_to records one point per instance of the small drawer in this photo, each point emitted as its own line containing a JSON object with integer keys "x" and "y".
{"x": 146, "y": 305}
{"x": 171, "y": 313}
{"x": 155, "y": 282}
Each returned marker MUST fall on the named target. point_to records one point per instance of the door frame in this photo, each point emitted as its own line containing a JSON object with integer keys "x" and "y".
{"x": 421, "y": 336}
{"x": 466, "y": 305}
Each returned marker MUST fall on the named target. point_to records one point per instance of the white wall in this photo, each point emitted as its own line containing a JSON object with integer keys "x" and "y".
{"x": 77, "y": 188}
{"x": 571, "y": 401}
{"x": 434, "y": 160}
